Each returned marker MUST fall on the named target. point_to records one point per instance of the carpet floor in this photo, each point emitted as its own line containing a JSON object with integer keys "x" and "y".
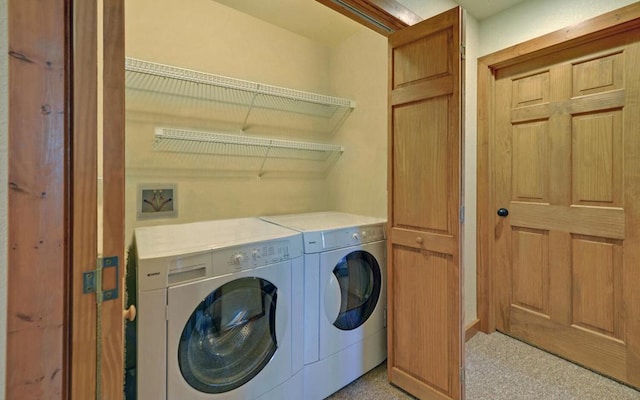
{"x": 501, "y": 368}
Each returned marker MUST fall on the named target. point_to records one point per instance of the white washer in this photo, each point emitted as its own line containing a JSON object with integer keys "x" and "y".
{"x": 220, "y": 311}
{"x": 345, "y": 297}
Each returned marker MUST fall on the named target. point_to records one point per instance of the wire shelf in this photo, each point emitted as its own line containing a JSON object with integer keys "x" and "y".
{"x": 247, "y": 106}
{"x": 240, "y": 152}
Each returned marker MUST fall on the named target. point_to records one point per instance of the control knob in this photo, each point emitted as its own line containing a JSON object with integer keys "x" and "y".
{"x": 237, "y": 259}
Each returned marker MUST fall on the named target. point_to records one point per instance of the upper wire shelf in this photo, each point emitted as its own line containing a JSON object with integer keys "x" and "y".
{"x": 233, "y": 104}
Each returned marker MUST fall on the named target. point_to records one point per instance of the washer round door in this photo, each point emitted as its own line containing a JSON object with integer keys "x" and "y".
{"x": 356, "y": 282}
{"x": 230, "y": 336}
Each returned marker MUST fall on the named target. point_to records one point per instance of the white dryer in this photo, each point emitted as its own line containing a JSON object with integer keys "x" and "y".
{"x": 345, "y": 297}
{"x": 220, "y": 311}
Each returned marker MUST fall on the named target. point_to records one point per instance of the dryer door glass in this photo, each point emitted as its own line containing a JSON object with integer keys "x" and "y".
{"x": 230, "y": 336}
{"x": 358, "y": 275}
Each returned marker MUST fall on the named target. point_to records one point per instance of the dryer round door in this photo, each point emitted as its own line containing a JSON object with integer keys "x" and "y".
{"x": 230, "y": 336}
{"x": 353, "y": 290}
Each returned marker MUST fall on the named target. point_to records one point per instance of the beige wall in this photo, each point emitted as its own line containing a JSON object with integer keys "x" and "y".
{"x": 206, "y": 36}
{"x": 358, "y": 183}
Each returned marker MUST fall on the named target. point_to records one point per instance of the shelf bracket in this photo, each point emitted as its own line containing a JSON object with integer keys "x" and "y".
{"x": 246, "y": 117}
{"x": 264, "y": 159}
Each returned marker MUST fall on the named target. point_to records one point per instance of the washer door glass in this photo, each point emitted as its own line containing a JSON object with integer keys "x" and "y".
{"x": 230, "y": 337}
{"x": 358, "y": 275}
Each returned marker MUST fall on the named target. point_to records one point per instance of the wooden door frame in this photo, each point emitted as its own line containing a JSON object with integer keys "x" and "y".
{"x": 38, "y": 250}
{"x": 83, "y": 188}
{"x": 51, "y": 325}
{"x": 113, "y": 204}
{"x": 382, "y": 16}
{"x": 614, "y": 22}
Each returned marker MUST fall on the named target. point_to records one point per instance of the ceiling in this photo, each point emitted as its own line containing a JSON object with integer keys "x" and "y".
{"x": 480, "y": 9}
{"x": 318, "y": 22}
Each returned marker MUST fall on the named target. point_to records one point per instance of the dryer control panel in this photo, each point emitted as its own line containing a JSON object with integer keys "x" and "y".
{"x": 315, "y": 242}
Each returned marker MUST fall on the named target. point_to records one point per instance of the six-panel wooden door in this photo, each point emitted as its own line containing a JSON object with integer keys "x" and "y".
{"x": 566, "y": 168}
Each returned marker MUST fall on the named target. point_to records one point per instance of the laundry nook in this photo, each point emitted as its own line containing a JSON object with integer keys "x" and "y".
{"x": 256, "y": 187}
{"x": 320, "y": 199}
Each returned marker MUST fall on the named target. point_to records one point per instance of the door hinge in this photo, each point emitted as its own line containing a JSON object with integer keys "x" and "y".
{"x": 385, "y": 316}
{"x": 463, "y": 50}
{"x": 463, "y": 376}
{"x": 92, "y": 280}
{"x": 462, "y": 214}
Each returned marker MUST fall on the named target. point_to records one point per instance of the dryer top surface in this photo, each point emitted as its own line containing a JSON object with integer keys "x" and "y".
{"x": 165, "y": 240}
{"x": 322, "y": 221}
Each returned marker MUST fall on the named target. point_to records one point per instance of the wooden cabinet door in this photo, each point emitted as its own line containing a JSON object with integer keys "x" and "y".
{"x": 425, "y": 337}
{"x": 566, "y": 166}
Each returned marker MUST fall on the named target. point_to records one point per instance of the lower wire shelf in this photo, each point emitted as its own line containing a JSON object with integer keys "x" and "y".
{"x": 238, "y": 152}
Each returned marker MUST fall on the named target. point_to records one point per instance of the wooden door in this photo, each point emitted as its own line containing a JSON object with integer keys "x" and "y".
{"x": 97, "y": 350}
{"x": 566, "y": 165}
{"x": 424, "y": 278}
{"x": 83, "y": 107}
{"x": 111, "y": 342}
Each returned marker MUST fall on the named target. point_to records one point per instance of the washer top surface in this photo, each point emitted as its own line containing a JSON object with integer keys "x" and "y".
{"x": 322, "y": 221}
{"x": 168, "y": 240}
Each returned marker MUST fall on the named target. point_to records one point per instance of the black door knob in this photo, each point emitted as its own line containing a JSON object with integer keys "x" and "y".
{"x": 503, "y": 212}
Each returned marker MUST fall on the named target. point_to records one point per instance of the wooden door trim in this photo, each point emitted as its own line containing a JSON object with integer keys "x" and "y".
{"x": 387, "y": 13}
{"x": 84, "y": 188}
{"x": 113, "y": 109}
{"x": 38, "y": 200}
{"x": 614, "y": 22}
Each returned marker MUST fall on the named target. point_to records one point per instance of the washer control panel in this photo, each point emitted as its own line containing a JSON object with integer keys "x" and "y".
{"x": 163, "y": 272}
{"x": 239, "y": 258}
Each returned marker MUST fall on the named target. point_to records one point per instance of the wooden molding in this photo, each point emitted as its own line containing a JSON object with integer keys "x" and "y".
{"x": 471, "y": 330}
{"x": 608, "y": 24}
{"x": 383, "y": 16}
{"x": 614, "y": 22}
